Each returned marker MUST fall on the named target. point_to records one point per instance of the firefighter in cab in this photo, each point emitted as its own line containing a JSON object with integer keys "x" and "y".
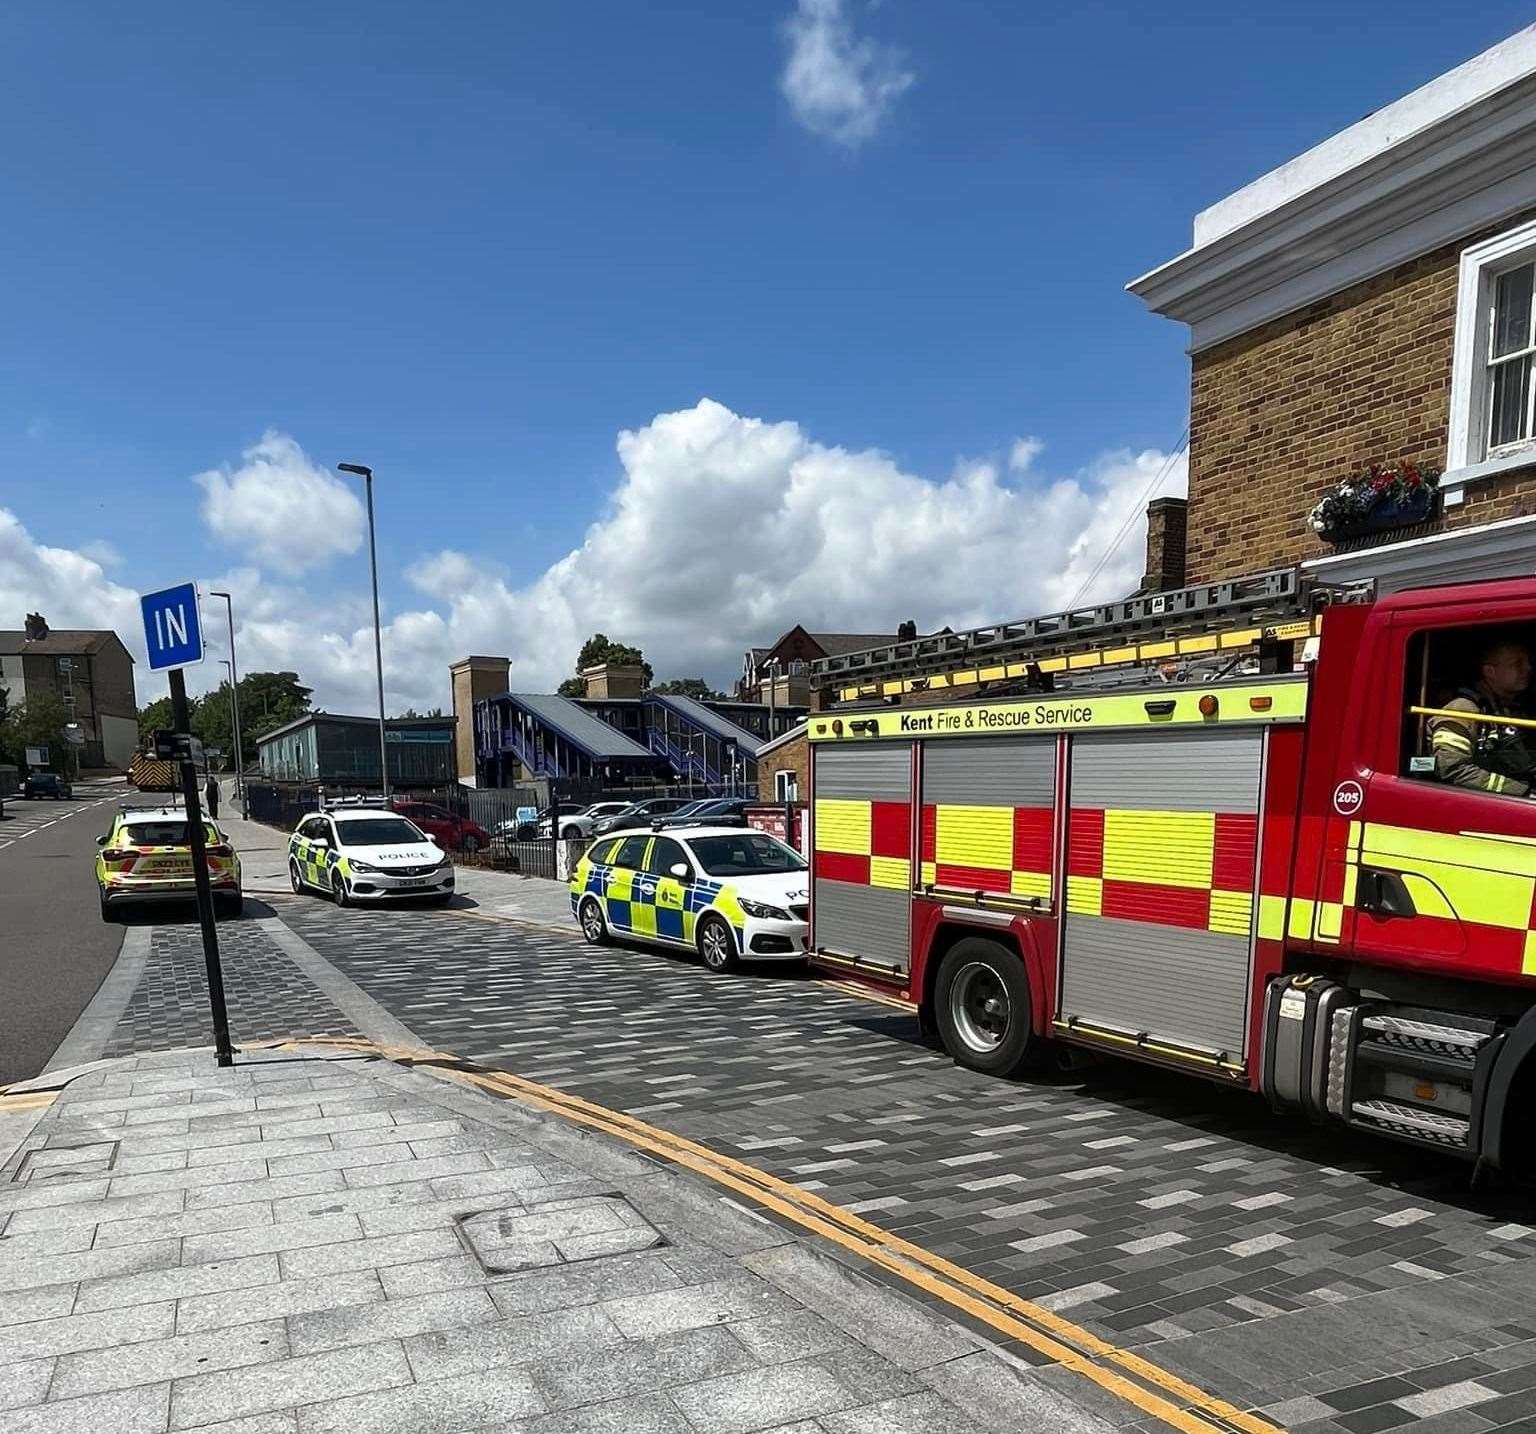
{"x": 1489, "y": 756}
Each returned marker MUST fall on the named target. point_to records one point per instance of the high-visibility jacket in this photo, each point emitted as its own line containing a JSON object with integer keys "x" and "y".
{"x": 1487, "y": 756}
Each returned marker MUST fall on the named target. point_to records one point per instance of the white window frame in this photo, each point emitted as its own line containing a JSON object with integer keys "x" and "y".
{"x": 786, "y": 791}
{"x": 1467, "y": 458}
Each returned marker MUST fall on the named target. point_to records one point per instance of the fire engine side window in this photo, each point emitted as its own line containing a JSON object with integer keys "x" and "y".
{"x": 1443, "y": 666}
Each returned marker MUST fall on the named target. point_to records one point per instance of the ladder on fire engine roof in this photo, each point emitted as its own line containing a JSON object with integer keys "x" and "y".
{"x": 1211, "y": 620}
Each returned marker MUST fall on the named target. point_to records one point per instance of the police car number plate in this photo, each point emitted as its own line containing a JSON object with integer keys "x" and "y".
{"x": 411, "y": 881}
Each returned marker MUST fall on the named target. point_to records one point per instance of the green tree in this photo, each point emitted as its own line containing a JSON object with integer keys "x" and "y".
{"x": 157, "y": 717}
{"x": 39, "y": 722}
{"x": 411, "y": 712}
{"x": 572, "y": 687}
{"x": 267, "y": 701}
{"x": 695, "y": 687}
{"x": 600, "y": 648}
{"x": 10, "y": 750}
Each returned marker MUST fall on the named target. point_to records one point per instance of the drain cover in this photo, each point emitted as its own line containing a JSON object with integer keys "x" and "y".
{"x": 54, "y": 1164}
{"x": 559, "y": 1233}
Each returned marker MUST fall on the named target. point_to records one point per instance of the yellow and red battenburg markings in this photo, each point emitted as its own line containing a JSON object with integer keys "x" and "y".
{"x": 1190, "y": 869}
{"x": 984, "y": 848}
{"x": 864, "y": 843}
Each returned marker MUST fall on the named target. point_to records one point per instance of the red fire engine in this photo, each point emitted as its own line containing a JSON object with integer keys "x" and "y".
{"x": 1207, "y": 834}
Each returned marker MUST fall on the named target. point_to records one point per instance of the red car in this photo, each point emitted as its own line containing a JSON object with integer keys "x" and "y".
{"x": 451, "y": 831}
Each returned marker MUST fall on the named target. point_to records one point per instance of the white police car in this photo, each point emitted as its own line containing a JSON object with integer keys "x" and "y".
{"x": 731, "y": 893}
{"x": 367, "y": 854}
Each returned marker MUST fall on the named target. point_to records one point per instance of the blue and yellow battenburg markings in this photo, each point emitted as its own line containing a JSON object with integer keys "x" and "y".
{"x": 645, "y": 904}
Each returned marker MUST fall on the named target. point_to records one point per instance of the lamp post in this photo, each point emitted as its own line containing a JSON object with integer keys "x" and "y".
{"x": 366, "y": 474}
{"x": 229, "y": 665}
{"x": 234, "y": 704}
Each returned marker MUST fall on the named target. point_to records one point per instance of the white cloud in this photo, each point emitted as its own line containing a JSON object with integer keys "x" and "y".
{"x": 839, "y": 85}
{"x": 1023, "y": 454}
{"x": 280, "y": 509}
{"x": 722, "y": 532}
{"x": 69, "y": 588}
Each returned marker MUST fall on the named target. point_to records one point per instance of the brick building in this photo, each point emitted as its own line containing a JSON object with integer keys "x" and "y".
{"x": 1369, "y": 301}
{"x": 89, "y": 671}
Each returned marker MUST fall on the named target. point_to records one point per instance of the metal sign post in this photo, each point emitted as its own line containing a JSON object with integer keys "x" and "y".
{"x": 173, "y": 633}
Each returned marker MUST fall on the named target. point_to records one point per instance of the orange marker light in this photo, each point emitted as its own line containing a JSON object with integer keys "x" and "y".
{"x": 1208, "y": 705}
{"x": 1261, "y": 704}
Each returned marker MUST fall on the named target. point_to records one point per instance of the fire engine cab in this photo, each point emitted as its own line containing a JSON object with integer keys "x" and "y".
{"x": 1201, "y": 829}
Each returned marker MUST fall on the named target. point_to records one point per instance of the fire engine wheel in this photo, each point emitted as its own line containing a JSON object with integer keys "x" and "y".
{"x": 593, "y": 927}
{"x": 983, "y": 1007}
{"x": 716, "y": 945}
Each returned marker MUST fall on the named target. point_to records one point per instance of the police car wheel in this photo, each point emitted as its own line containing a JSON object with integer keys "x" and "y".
{"x": 339, "y": 890}
{"x": 593, "y": 927}
{"x": 717, "y": 947}
{"x": 982, "y": 1005}
{"x": 295, "y": 878}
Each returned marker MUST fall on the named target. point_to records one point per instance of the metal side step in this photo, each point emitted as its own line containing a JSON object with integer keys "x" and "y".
{"x": 1414, "y": 1122}
{"x": 1429, "y": 1037}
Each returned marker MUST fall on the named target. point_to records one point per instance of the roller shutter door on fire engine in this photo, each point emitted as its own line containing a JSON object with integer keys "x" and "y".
{"x": 863, "y": 866}
{"x": 1162, "y": 850}
{"x": 987, "y": 815}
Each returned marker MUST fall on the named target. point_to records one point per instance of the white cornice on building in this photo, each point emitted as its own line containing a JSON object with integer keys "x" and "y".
{"x": 1453, "y": 157}
{"x": 1504, "y": 549}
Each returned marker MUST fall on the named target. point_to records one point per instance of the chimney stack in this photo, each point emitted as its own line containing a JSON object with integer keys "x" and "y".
{"x": 1167, "y": 523}
{"x": 37, "y": 627}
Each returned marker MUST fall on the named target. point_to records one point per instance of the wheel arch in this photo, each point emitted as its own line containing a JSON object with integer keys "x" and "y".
{"x": 1511, "y": 1092}
{"x": 1017, "y": 937}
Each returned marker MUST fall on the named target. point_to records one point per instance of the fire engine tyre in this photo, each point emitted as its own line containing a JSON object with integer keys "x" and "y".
{"x": 295, "y": 880}
{"x": 593, "y": 928}
{"x": 982, "y": 1005}
{"x": 717, "y": 947}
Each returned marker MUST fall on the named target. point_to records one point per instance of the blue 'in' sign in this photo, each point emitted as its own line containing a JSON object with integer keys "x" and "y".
{"x": 173, "y": 630}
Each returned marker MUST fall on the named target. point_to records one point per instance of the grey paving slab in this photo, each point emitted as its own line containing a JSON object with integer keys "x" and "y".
{"x": 86, "y": 1331}
{"x": 176, "y": 1283}
{"x": 467, "y": 1402}
{"x": 123, "y": 1411}
{"x": 736, "y": 1403}
{"x": 645, "y": 1316}
{"x": 444, "y": 1353}
{"x": 637, "y": 1367}
{"x": 395, "y": 1319}
{"x": 351, "y": 1290}
{"x": 188, "y": 1222}
{"x": 358, "y": 1254}
{"x": 304, "y": 1379}
{"x": 644, "y": 1414}
{"x": 154, "y": 1360}
{"x": 24, "y": 1381}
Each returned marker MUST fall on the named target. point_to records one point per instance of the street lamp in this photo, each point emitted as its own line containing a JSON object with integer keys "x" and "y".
{"x": 234, "y": 712}
{"x": 234, "y": 703}
{"x": 366, "y": 474}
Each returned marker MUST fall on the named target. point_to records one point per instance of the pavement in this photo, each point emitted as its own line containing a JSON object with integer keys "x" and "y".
{"x": 309, "y": 1243}
{"x": 1264, "y": 1273}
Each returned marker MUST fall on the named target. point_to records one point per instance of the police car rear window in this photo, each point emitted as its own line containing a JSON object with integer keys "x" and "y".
{"x": 167, "y": 833}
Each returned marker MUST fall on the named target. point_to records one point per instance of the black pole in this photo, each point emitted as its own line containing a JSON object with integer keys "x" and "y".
{"x": 189, "y": 796}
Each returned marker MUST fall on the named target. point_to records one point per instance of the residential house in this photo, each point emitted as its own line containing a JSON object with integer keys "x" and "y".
{"x": 89, "y": 671}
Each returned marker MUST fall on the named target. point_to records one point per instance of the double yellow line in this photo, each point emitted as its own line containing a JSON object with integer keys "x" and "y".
{"x": 1149, "y": 1387}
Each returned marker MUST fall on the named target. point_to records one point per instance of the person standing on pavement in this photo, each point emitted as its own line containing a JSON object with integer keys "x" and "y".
{"x": 211, "y": 796}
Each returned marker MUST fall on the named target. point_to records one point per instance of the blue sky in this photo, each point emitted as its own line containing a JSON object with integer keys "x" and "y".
{"x": 472, "y": 244}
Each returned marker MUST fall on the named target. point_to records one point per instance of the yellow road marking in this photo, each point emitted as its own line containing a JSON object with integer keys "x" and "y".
{"x": 1195, "y": 1412}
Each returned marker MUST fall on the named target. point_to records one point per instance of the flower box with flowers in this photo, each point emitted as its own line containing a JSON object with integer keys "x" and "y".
{"x": 1375, "y": 501}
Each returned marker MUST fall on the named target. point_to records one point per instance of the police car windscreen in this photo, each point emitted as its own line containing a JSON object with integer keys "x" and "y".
{"x": 378, "y": 831}
{"x": 166, "y": 833}
{"x": 749, "y": 854}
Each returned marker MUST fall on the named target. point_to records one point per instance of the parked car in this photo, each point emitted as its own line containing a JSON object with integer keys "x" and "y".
{"x": 451, "y": 831}
{"x": 354, "y": 854}
{"x": 45, "y": 784}
{"x": 716, "y": 812}
{"x": 731, "y": 895}
{"x": 639, "y": 814}
{"x": 146, "y": 855}
{"x": 579, "y": 822}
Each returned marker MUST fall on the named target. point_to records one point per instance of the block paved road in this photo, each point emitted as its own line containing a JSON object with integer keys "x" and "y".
{"x": 54, "y": 947}
{"x": 1338, "y": 1284}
